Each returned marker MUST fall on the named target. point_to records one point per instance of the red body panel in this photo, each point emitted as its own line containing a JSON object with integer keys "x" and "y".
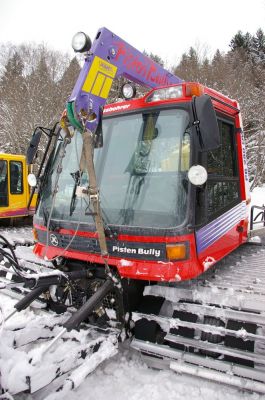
{"x": 200, "y": 257}
{"x": 133, "y": 268}
{"x": 225, "y": 245}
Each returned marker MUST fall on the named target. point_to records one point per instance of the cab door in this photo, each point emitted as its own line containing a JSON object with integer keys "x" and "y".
{"x": 17, "y": 188}
{"x": 3, "y": 185}
{"x": 223, "y": 209}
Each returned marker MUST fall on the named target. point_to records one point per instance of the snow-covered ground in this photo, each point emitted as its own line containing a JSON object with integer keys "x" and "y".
{"x": 125, "y": 376}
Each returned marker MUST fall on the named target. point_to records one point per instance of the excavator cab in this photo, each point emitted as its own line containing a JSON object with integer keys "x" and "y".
{"x": 14, "y": 190}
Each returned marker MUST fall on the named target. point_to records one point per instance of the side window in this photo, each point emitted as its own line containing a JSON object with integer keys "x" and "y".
{"x": 223, "y": 179}
{"x": 16, "y": 177}
{"x": 3, "y": 184}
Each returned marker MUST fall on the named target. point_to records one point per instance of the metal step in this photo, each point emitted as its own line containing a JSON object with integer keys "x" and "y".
{"x": 215, "y": 348}
{"x": 220, "y": 312}
{"x": 189, "y": 363}
{"x": 168, "y": 323}
{"x": 210, "y": 295}
{"x": 217, "y": 376}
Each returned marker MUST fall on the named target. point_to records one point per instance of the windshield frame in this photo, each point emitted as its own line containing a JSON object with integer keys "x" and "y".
{"x": 123, "y": 227}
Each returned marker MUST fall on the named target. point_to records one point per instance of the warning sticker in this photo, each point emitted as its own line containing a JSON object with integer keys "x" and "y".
{"x": 100, "y": 78}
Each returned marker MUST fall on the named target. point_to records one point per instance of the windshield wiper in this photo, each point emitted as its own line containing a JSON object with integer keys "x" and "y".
{"x": 77, "y": 178}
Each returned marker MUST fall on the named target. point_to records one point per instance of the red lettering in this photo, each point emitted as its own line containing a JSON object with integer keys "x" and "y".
{"x": 121, "y": 50}
{"x": 151, "y": 70}
{"x": 141, "y": 65}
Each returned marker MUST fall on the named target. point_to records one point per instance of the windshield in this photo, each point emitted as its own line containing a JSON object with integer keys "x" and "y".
{"x": 141, "y": 172}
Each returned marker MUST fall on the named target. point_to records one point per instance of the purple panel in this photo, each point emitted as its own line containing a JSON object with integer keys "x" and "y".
{"x": 210, "y": 233}
{"x": 130, "y": 63}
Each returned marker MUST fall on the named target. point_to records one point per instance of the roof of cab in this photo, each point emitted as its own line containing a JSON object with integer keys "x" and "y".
{"x": 220, "y": 101}
{"x": 12, "y": 157}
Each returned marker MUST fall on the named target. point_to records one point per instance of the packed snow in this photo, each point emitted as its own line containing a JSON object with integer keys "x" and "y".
{"x": 124, "y": 374}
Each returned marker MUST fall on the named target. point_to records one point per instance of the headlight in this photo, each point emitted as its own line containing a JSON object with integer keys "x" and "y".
{"x": 174, "y": 92}
{"x": 197, "y": 175}
{"x": 128, "y": 91}
{"x": 32, "y": 180}
{"x": 81, "y": 42}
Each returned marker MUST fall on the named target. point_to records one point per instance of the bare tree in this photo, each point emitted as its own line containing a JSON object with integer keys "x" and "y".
{"x": 31, "y": 93}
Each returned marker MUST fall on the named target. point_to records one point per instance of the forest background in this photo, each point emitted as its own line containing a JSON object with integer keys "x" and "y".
{"x": 36, "y": 81}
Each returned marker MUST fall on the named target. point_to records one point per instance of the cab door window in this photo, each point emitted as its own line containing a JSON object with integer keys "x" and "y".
{"x": 3, "y": 184}
{"x": 223, "y": 179}
{"x": 16, "y": 177}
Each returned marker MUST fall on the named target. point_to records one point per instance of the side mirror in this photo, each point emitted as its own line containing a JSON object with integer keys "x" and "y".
{"x": 33, "y": 146}
{"x": 205, "y": 122}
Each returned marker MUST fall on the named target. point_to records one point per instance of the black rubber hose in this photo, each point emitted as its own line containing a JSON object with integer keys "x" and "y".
{"x": 9, "y": 245}
{"x": 13, "y": 262}
{"x": 30, "y": 297}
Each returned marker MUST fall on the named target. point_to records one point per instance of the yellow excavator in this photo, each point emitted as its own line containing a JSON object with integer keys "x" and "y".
{"x": 15, "y": 192}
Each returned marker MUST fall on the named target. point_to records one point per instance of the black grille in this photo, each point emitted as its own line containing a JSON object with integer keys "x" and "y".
{"x": 134, "y": 250}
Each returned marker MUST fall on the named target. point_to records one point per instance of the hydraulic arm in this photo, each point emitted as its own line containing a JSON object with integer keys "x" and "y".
{"x": 110, "y": 57}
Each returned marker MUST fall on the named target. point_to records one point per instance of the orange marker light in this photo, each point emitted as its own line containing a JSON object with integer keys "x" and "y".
{"x": 176, "y": 251}
{"x": 194, "y": 89}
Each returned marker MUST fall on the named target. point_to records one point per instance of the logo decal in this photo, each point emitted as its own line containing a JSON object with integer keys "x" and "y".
{"x": 99, "y": 78}
{"x": 139, "y": 251}
{"x": 54, "y": 240}
{"x": 116, "y": 108}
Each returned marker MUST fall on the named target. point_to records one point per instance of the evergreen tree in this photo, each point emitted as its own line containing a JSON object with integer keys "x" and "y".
{"x": 241, "y": 41}
{"x": 36, "y": 82}
{"x": 257, "y": 48}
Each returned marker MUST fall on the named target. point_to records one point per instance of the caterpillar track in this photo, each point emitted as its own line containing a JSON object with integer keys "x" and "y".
{"x": 41, "y": 351}
{"x": 27, "y": 367}
{"x": 211, "y": 327}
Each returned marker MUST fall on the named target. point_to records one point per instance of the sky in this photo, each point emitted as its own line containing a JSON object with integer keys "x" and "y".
{"x": 167, "y": 28}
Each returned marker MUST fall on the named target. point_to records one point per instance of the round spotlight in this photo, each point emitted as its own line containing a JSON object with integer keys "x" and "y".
{"x": 81, "y": 42}
{"x": 128, "y": 91}
{"x": 197, "y": 175}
